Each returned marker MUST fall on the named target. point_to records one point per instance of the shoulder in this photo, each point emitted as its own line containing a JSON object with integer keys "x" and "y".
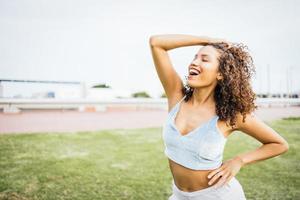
{"x": 243, "y": 122}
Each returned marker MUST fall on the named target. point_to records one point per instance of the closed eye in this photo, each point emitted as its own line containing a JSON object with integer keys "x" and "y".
{"x": 202, "y": 59}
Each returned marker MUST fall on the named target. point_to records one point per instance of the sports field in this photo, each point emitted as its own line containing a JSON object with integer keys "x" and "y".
{"x": 129, "y": 164}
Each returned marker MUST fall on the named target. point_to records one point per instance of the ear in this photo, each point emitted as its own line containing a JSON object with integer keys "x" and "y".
{"x": 219, "y": 76}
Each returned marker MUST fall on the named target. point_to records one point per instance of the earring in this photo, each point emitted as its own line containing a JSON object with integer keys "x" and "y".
{"x": 187, "y": 85}
{"x": 185, "y": 77}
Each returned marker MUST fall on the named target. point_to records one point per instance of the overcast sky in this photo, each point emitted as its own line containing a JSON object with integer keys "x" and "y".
{"x": 106, "y": 41}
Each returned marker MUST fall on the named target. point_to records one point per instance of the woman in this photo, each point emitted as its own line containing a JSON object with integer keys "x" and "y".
{"x": 216, "y": 101}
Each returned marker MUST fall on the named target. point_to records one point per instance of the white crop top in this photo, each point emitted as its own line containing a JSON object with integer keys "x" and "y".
{"x": 200, "y": 149}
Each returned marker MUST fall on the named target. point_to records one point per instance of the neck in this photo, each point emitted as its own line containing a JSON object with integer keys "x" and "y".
{"x": 203, "y": 96}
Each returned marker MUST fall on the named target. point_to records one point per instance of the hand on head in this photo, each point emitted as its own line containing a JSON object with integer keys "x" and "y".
{"x": 221, "y": 40}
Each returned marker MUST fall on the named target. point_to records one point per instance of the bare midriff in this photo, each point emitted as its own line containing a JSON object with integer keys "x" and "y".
{"x": 189, "y": 180}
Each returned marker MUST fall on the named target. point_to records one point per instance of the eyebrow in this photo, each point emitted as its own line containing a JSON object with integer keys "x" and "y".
{"x": 202, "y": 55}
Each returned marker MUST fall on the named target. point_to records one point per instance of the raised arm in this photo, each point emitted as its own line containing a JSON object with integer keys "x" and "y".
{"x": 169, "y": 78}
{"x": 172, "y": 41}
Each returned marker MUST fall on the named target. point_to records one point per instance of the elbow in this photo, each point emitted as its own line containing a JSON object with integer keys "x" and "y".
{"x": 153, "y": 40}
{"x": 285, "y": 146}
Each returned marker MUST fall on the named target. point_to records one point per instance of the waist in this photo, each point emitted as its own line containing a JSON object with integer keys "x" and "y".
{"x": 188, "y": 179}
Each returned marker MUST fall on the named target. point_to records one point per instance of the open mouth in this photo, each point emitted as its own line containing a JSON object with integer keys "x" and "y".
{"x": 194, "y": 72}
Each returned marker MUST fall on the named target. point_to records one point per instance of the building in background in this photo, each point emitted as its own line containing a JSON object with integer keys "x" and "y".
{"x": 35, "y": 89}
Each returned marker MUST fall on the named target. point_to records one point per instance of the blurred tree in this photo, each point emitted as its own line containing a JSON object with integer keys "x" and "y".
{"x": 163, "y": 95}
{"x": 142, "y": 94}
{"x": 101, "y": 86}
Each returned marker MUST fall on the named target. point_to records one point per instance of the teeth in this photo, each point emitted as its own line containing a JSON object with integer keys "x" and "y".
{"x": 194, "y": 72}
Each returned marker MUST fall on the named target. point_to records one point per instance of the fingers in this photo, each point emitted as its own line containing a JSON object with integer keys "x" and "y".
{"x": 230, "y": 44}
{"x": 219, "y": 40}
{"x": 216, "y": 176}
{"x": 211, "y": 174}
{"x": 224, "y": 180}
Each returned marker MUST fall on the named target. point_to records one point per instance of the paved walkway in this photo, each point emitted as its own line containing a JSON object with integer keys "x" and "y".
{"x": 72, "y": 121}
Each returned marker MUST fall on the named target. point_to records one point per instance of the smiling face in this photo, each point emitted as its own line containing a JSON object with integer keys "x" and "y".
{"x": 206, "y": 62}
{"x": 225, "y": 76}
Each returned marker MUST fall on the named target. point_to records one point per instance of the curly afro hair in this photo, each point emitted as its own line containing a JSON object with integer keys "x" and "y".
{"x": 233, "y": 93}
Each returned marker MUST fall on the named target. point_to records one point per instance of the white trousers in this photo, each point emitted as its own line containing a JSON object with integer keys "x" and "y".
{"x": 233, "y": 190}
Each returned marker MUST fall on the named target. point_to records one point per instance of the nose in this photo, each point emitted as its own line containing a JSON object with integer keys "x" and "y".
{"x": 195, "y": 62}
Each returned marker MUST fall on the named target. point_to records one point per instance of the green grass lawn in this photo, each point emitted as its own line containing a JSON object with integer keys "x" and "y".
{"x": 129, "y": 164}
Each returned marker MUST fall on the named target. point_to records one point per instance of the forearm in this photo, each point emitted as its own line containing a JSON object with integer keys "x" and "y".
{"x": 171, "y": 41}
{"x": 263, "y": 152}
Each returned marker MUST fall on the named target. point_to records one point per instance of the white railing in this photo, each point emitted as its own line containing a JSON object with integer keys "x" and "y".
{"x": 16, "y": 105}
{"x": 278, "y": 102}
